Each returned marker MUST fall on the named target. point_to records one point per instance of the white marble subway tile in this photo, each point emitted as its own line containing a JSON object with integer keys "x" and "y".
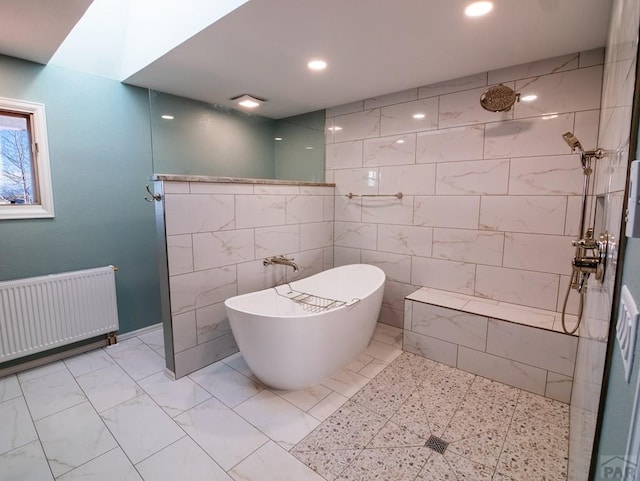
{"x": 408, "y": 179}
{"x": 202, "y": 288}
{"x": 357, "y": 181}
{"x": 408, "y": 316}
{"x": 463, "y": 108}
{"x": 270, "y": 241}
{"x": 524, "y": 287}
{"x": 220, "y": 188}
{"x": 388, "y": 210}
{"x": 390, "y": 317}
{"x": 409, "y": 117}
{"x": 175, "y": 187}
{"x": 354, "y": 126}
{"x": 390, "y": 99}
{"x": 480, "y": 247}
{"x": 397, "y": 267}
{"x": 254, "y": 276}
{"x": 440, "y": 298}
{"x": 586, "y": 127}
{"x": 485, "y": 177}
{"x": 329, "y": 176}
{"x": 316, "y": 235}
{"x": 304, "y": 208}
{"x": 328, "y": 207}
{"x": 343, "y": 256}
{"x": 538, "y": 252}
{"x": 559, "y": 387}
{"x": 187, "y": 213}
{"x": 274, "y": 189}
{"x": 394, "y": 150}
{"x": 589, "y": 58}
{"x": 204, "y": 354}
{"x": 108, "y": 387}
{"x": 573, "y": 303}
{"x": 529, "y": 214}
{"x": 222, "y": 248}
{"x": 260, "y": 210}
{"x": 184, "y": 331}
{"x": 450, "y": 145}
{"x": 509, "y": 372}
{"x": 306, "y": 398}
{"x": 535, "y": 347}
{"x": 457, "y": 327}
{"x": 447, "y": 211}
{"x": 394, "y": 295}
{"x": 228, "y": 385}
{"x": 348, "y": 210}
{"x": 568, "y": 91}
{"x": 139, "y": 361}
{"x": 534, "y": 69}
{"x": 547, "y": 175}
{"x": 309, "y": 263}
{"x": 344, "y": 155}
{"x": 83, "y": 363}
{"x": 329, "y": 128}
{"x": 504, "y": 311}
{"x": 345, "y": 109}
{"x": 527, "y": 137}
{"x": 173, "y": 396}
{"x": 179, "y": 254}
{"x": 430, "y": 347}
{"x": 211, "y": 322}
{"x": 455, "y": 85}
{"x": 52, "y": 393}
{"x": 27, "y": 462}
{"x": 405, "y": 239}
{"x": 327, "y": 258}
{"x": 317, "y": 190}
{"x": 356, "y": 235}
{"x": 443, "y": 274}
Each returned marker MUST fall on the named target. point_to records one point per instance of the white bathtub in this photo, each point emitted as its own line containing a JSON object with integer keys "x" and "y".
{"x": 288, "y": 347}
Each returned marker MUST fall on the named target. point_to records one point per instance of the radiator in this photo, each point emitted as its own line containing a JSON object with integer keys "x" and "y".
{"x": 40, "y": 313}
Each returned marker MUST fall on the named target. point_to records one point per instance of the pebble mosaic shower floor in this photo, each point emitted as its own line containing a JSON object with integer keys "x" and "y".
{"x": 112, "y": 415}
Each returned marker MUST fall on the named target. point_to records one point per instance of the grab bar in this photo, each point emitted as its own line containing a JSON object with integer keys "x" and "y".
{"x": 351, "y": 195}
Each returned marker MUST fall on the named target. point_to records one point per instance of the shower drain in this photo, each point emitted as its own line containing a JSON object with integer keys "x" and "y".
{"x": 437, "y": 444}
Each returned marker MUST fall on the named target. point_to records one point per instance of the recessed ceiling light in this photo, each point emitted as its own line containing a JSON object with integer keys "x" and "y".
{"x": 529, "y": 98}
{"x": 248, "y": 101}
{"x": 419, "y": 116}
{"x": 167, "y": 117}
{"x": 477, "y": 9}
{"x": 317, "y": 65}
{"x": 277, "y": 138}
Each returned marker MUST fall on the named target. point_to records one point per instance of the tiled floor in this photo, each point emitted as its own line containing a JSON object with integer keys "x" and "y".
{"x": 112, "y": 414}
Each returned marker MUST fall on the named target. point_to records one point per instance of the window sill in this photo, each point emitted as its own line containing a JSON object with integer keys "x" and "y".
{"x": 34, "y": 211}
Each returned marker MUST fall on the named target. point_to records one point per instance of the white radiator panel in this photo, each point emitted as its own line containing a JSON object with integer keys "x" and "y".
{"x": 40, "y": 313}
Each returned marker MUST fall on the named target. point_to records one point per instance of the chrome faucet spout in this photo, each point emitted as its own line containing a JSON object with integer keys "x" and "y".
{"x": 282, "y": 260}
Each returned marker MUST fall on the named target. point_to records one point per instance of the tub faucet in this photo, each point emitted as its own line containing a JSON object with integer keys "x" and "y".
{"x": 282, "y": 260}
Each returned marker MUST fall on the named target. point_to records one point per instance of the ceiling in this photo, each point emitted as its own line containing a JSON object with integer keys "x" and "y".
{"x": 372, "y": 47}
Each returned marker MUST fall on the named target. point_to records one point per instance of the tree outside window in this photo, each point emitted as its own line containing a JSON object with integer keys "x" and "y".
{"x": 16, "y": 162}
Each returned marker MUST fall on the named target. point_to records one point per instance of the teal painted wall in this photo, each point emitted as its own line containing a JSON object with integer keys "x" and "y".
{"x": 300, "y": 153}
{"x": 100, "y": 154}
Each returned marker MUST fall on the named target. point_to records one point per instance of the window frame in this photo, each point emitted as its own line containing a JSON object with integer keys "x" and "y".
{"x": 40, "y": 159}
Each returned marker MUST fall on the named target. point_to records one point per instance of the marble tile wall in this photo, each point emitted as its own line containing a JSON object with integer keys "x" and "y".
{"x": 610, "y": 177}
{"x": 217, "y": 235}
{"x": 490, "y": 200}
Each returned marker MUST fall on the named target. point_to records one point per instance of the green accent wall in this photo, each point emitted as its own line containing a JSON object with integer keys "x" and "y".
{"x": 300, "y": 153}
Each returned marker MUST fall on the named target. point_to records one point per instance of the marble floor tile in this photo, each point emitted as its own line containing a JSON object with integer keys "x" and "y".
{"x": 373, "y": 368}
{"x": 226, "y": 384}
{"x": 222, "y": 433}
{"x": 183, "y": 459}
{"x": 175, "y": 397}
{"x": 16, "y": 426}
{"x": 139, "y": 361}
{"x": 351, "y": 427}
{"x": 154, "y": 339}
{"x": 305, "y": 399}
{"x": 388, "y": 335}
{"x": 382, "y": 351}
{"x": 272, "y": 463}
{"x": 237, "y": 362}
{"x": 281, "y": 421}
{"x": 111, "y": 466}
{"x": 45, "y": 370}
{"x": 346, "y": 382}
{"x": 141, "y": 427}
{"x": 88, "y": 362}
{"x": 122, "y": 345}
{"x": 327, "y": 406}
{"x": 52, "y": 393}
{"x": 27, "y": 462}
{"x": 397, "y": 464}
{"x": 72, "y": 437}
{"x": 108, "y": 387}
{"x": 9, "y": 388}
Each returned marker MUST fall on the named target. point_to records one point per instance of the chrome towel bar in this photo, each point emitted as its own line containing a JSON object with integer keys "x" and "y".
{"x": 351, "y": 195}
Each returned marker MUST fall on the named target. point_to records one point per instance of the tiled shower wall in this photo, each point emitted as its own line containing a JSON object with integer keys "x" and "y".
{"x": 490, "y": 200}
{"x": 217, "y": 237}
{"x": 610, "y": 176}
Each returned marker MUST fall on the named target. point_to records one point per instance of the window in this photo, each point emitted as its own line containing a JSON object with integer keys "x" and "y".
{"x": 25, "y": 178}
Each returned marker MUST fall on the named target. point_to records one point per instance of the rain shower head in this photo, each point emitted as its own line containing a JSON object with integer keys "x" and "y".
{"x": 499, "y": 98}
{"x": 572, "y": 141}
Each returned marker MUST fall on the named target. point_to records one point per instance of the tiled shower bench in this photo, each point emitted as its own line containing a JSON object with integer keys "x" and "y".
{"x": 516, "y": 345}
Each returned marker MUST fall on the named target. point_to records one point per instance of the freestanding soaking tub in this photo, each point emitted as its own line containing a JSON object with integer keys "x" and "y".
{"x": 295, "y": 336}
